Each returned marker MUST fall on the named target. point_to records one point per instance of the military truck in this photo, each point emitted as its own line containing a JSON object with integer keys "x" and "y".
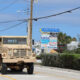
{"x": 15, "y": 54}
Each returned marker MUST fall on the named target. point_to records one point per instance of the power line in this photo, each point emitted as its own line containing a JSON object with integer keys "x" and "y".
{"x": 11, "y": 27}
{"x": 12, "y": 21}
{"x": 6, "y": 7}
{"x": 45, "y": 17}
{"x": 64, "y": 12}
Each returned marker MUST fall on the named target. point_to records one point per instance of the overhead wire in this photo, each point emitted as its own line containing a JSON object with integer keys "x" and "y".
{"x": 13, "y": 26}
{"x": 44, "y": 17}
{"x": 35, "y": 19}
{"x": 64, "y": 12}
{"x": 1, "y": 22}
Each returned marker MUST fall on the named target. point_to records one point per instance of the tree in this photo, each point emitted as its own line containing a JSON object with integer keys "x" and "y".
{"x": 74, "y": 39}
{"x": 63, "y": 40}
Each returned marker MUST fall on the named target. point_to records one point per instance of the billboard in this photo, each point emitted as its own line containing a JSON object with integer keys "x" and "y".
{"x": 48, "y": 41}
{"x": 53, "y": 42}
{"x": 44, "y": 40}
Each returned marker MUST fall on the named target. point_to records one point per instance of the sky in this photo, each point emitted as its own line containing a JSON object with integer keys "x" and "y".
{"x": 67, "y": 23}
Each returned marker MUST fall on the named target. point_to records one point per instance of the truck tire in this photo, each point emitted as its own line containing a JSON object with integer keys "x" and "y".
{"x": 0, "y": 67}
{"x": 3, "y": 69}
{"x": 30, "y": 68}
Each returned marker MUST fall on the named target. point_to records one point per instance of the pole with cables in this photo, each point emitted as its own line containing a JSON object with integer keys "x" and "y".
{"x": 29, "y": 39}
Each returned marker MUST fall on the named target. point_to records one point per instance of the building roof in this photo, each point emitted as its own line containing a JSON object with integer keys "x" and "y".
{"x": 13, "y": 36}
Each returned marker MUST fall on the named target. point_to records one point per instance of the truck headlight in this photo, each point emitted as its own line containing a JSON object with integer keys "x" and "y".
{"x": 3, "y": 55}
{"x": 15, "y": 51}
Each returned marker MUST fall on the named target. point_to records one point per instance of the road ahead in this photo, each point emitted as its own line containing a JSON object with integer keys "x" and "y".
{"x": 43, "y": 73}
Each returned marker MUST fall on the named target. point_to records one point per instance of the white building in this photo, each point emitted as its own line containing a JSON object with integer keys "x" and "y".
{"x": 73, "y": 45}
{"x": 37, "y": 47}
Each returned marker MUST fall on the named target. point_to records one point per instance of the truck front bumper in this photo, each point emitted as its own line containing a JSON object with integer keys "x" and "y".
{"x": 16, "y": 60}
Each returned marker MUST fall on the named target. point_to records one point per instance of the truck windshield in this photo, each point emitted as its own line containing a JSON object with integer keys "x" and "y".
{"x": 14, "y": 40}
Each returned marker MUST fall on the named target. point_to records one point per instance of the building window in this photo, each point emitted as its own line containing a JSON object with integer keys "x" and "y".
{"x": 14, "y": 40}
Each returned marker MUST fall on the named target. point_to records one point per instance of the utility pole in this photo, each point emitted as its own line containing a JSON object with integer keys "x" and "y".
{"x": 29, "y": 39}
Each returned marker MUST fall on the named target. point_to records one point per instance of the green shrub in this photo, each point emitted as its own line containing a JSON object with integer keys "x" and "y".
{"x": 66, "y": 60}
{"x": 76, "y": 64}
{"x": 39, "y": 56}
{"x": 50, "y": 59}
{"x": 71, "y": 61}
{"x": 75, "y": 51}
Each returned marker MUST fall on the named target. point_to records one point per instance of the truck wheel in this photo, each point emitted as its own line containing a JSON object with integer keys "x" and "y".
{"x": 30, "y": 68}
{"x": 3, "y": 69}
{"x": 0, "y": 67}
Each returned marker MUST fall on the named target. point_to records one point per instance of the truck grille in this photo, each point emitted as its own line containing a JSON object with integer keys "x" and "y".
{"x": 19, "y": 53}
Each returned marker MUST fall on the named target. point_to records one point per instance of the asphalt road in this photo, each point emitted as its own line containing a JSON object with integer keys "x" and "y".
{"x": 43, "y": 73}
